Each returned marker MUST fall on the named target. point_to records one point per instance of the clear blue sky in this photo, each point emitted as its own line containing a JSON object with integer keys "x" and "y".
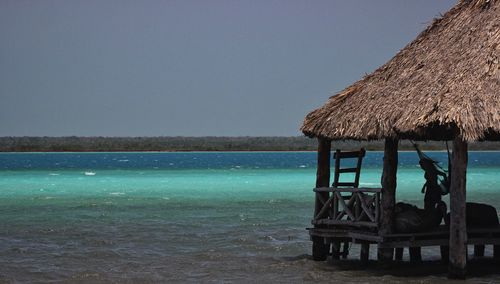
{"x": 190, "y": 68}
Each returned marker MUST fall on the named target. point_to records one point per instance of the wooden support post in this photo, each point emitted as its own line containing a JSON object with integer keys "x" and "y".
{"x": 365, "y": 253}
{"x": 496, "y": 252}
{"x": 388, "y": 195}
{"x": 336, "y": 250}
{"x": 445, "y": 254}
{"x": 320, "y": 248}
{"x": 323, "y": 172}
{"x": 345, "y": 250}
{"x": 458, "y": 228}
{"x": 478, "y": 250}
{"x": 399, "y": 254}
{"x": 415, "y": 254}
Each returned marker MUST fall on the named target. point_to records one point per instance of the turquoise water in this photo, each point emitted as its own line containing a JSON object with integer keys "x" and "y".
{"x": 197, "y": 217}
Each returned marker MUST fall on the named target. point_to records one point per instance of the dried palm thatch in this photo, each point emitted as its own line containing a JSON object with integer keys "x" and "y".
{"x": 444, "y": 84}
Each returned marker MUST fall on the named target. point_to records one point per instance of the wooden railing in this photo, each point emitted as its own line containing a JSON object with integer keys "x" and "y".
{"x": 359, "y": 207}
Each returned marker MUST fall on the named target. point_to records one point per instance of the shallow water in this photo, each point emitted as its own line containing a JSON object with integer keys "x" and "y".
{"x": 188, "y": 217}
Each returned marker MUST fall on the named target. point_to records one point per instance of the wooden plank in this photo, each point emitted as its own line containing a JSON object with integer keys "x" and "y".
{"x": 415, "y": 254}
{"x": 495, "y": 230}
{"x": 357, "y": 207}
{"x": 345, "y": 249}
{"x": 337, "y": 235}
{"x": 360, "y": 238}
{"x": 337, "y": 167}
{"x": 320, "y": 250}
{"x": 483, "y": 241}
{"x": 348, "y": 154}
{"x": 347, "y": 170}
{"x": 413, "y": 243}
{"x": 361, "y": 216}
{"x": 351, "y": 199}
{"x": 351, "y": 184}
{"x": 336, "y": 230}
{"x": 369, "y": 199}
{"x": 388, "y": 194}
{"x": 344, "y": 205}
{"x": 361, "y": 198}
{"x": 321, "y": 198}
{"x": 478, "y": 250}
{"x": 365, "y": 253}
{"x": 352, "y": 190}
{"x": 340, "y": 239}
{"x": 358, "y": 166}
{"x": 445, "y": 254}
{"x": 329, "y": 233}
{"x": 458, "y": 228}
{"x": 325, "y": 208}
{"x": 441, "y": 231}
{"x": 345, "y": 223}
{"x": 470, "y": 241}
{"x": 336, "y": 249}
{"x": 335, "y": 206}
{"x": 322, "y": 173}
{"x": 340, "y": 215}
{"x": 399, "y": 254}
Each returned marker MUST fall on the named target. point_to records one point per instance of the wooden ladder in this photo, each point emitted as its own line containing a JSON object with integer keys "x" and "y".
{"x": 338, "y": 156}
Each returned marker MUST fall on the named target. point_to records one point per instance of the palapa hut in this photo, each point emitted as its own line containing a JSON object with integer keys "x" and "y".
{"x": 445, "y": 85}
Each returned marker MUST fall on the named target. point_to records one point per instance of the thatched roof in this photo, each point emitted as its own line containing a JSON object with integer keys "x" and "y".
{"x": 443, "y": 84}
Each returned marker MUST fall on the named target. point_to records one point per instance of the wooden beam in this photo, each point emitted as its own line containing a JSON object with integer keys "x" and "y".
{"x": 388, "y": 194}
{"x": 415, "y": 254}
{"x": 321, "y": 249}
{"x": 445, "y": 254}
{"x": 359, "y": 189}
{"x": 349, "y": 154}
{"x": 336, "y": 175}
{"x": 458, "y": 229}
{"x": 413, "y": 243}
{"x": 336, "y": 249}
{"x": 326, "y": 206}
{"x": 347, "y": 206}
{"x": 399, "y": 254}
{"x": 479, "y": 250}
{"x": 358, "y": 166}
{"x": 365, "y": 253}
{"x": 496, "y": 251}
{"x": 366, "y": 210}
{"x": 323, "y": 172}
{"x": 345, "y": 223}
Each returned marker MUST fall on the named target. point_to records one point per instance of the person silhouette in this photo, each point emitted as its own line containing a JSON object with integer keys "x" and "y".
{"x": 431, "y": 188}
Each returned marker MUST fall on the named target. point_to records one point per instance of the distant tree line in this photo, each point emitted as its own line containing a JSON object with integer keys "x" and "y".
{"x": 109, "y": 144}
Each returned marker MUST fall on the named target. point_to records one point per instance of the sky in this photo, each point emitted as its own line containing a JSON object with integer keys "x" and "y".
{"x": 190, "y": 67}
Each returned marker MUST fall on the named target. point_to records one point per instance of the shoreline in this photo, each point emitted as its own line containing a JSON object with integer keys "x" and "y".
{"x": 204, "y": 144}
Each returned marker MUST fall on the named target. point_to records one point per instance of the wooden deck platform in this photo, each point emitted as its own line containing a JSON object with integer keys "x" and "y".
{"x": 479, "y": 237}
{"x": 438, "y": 237}
{"x": 353, "y": 215}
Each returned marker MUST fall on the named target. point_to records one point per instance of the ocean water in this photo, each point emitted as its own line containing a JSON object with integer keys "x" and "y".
{"x": 189, "y": 217}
